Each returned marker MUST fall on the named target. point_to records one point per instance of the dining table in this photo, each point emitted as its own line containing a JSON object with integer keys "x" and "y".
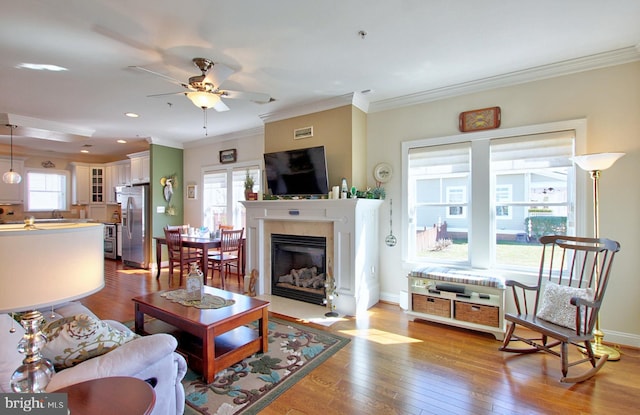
{"x": 198, "y": 242}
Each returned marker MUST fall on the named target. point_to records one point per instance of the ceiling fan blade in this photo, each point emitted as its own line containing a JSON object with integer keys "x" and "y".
{"x": 221, "y": 106}
{"x": 249, "y": 96}
{"x": 165, "y": 94}
{"x": 218, "y": 74}
{"x": 163, "y": 76}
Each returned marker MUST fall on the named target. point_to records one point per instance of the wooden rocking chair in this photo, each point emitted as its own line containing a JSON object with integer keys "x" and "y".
{"x": 572, "y": 280}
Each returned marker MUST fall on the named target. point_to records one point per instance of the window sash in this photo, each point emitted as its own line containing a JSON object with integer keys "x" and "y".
{"x": 223, "y": 189}
{"x": 546, "y": 156}
{"x": 46, "y": 190}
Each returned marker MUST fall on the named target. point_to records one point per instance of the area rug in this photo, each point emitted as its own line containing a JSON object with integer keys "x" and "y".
{"x": 252, "y": 384}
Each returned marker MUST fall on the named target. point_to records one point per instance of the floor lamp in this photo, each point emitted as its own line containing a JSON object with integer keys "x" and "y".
{"x": 595, "y": 164}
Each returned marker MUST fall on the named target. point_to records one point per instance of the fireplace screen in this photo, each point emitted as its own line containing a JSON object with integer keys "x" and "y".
{"x": 298, "y": 267}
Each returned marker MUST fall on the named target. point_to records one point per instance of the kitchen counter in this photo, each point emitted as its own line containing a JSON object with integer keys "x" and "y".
{"x": 52, "y": 220}
{"x": 20, "y": 227}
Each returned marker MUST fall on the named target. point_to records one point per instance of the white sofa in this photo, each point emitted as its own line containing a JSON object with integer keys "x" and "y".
{"x": 148, "y": 357}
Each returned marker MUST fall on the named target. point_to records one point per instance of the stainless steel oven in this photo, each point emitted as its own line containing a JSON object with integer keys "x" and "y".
{"x": 110, "y": 241}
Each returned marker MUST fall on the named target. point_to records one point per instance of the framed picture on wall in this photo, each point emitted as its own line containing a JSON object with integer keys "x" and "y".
{"x": 192, "y": 192}
{"x": 228, "y": 156}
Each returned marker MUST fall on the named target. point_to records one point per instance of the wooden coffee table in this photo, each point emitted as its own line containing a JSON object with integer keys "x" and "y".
{"x": 211, "y": 339}
{"x": 112, "y": 395}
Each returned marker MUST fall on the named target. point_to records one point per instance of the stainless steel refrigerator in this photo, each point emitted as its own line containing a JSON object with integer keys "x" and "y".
{"x": 136, "y": 232}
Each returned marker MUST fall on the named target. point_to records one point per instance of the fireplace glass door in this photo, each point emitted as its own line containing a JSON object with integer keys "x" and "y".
{"x": 298, "y": 267}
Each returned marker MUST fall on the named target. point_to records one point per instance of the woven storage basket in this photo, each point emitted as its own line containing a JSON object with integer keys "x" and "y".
{"x": 476, "y": 313}
{"x": 432, "y": 305}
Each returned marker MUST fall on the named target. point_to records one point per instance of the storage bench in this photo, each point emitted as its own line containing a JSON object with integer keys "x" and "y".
{"x": 458, "y": 298}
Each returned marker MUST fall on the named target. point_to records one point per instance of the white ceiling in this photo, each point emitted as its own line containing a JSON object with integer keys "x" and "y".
{"x": 299, "y": 52}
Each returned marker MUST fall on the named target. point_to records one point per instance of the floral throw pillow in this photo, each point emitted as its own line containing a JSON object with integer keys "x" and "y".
{"x": 74, "y": 339}
{"x": 556, "y": 307}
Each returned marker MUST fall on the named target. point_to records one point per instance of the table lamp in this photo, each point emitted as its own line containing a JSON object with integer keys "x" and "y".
{"x": 595, "y": 164}
{"x": 44, "y": 265}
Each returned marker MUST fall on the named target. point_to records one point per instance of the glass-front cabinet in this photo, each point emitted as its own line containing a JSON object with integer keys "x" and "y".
{"x": 97, "y": 179}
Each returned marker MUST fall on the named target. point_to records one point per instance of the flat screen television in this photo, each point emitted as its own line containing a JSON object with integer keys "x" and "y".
{"x": 297, "y": 172}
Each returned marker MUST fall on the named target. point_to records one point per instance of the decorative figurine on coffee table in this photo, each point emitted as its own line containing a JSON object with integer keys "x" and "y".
{"x": 195, "y": 288}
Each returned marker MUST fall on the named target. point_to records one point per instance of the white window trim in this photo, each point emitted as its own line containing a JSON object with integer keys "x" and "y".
{"x": 480, "y": 258}
{"x": 228, "y": 168}
{"x": 25, "y": 189}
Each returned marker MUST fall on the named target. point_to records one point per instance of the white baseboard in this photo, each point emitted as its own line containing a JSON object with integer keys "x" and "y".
{"x": 617, "y": 337}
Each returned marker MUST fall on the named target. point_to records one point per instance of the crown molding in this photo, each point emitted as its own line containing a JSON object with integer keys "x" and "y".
{"x": 165, "y": 142}
{"x": 251, "y": 132}
{"x": 353, "y": 98}
{"x": 586, "y": 63}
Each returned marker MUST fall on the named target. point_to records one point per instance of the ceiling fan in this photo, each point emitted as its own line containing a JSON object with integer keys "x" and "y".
{"x": 204, "y": 90}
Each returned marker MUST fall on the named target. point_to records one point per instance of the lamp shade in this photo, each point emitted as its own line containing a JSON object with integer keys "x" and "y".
{"x": 11, "y": 177}
{"x": 203, "y": 99}
{"x": 597, "y": 161}
{"x": 51, "y": 264}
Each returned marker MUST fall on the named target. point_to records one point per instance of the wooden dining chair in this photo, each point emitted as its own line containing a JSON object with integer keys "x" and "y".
{"x": 229, "y": 255}
{"x": 215, "y": 251}
{"x": 178, "y": 254}
{"x": 562, "y": 308}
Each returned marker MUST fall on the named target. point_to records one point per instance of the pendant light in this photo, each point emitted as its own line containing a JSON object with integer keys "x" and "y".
{"x": 11, "y": 176}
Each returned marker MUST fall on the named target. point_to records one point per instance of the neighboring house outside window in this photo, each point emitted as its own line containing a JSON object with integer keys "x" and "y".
{"x": 456, "y": 198}
{"x": 482, "y": 202}
{"x": 46, "y": 190}
{"x": 503, "y": 196}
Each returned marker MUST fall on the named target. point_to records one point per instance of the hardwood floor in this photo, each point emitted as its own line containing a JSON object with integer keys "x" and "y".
{"x": 396, "y": 366}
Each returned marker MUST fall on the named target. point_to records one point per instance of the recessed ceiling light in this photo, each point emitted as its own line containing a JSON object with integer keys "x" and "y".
{"x": 84, "y": 151}
{"x": 41, "y": 67}
{"x": 131, "y": 114}
{"x": 122, "y": 141}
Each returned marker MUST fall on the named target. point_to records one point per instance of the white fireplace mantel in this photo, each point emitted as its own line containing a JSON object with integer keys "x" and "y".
{"x": 351, "y": 225}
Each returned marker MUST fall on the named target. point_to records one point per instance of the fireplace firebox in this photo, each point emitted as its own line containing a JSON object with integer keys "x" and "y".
{"x": 298, "y": 269}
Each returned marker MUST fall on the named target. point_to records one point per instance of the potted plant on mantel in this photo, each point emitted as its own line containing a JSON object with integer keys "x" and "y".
{"x": 248, "y": 187}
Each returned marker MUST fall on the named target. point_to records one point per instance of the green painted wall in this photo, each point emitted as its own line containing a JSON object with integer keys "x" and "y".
{"x": 165, "y": 162}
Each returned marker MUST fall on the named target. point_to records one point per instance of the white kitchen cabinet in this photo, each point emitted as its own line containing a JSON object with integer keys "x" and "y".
{"x": 87, "y": 184}
{"x": 80, "y": 183}
{"x": 111, "y": 176}
{"x": 140, "y": 167}
{"x": 117, "y": 174}
{"x": 124, "y": 173}
{"x": 11, "y": 193}
{"x": 97, "y": 184}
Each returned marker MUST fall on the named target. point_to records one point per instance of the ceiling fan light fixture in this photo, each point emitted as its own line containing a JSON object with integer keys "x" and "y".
{"x": 203, "y": 99}
{"x": 11, "y": 177}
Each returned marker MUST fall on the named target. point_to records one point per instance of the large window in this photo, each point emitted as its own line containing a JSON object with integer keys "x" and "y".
{"x": 482, "y": 201}
{"x": 46, "y": 190}
{"x": 438, "y": 188}
{"x": 222, "y": 190}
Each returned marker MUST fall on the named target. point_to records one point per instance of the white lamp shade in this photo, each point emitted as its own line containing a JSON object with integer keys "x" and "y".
{"x": 203, "y": 99}
{"x": 50, "y": 265}
{"x": 598, "y": 161}
{"x": 11, "y": 177}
